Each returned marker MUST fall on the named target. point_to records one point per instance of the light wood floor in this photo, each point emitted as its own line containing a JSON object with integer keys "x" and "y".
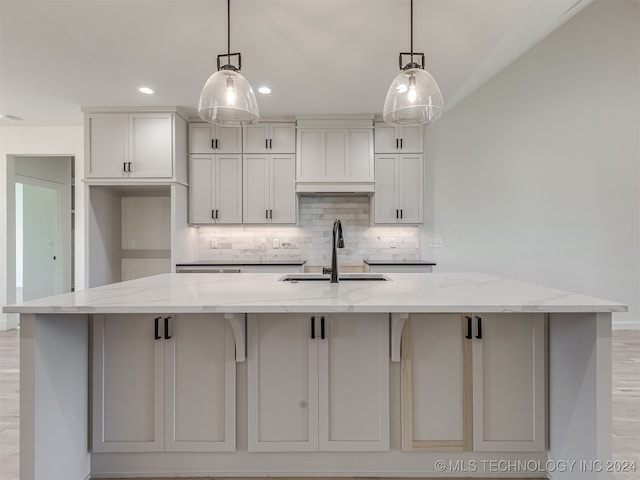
{"x": 626, "y": 404}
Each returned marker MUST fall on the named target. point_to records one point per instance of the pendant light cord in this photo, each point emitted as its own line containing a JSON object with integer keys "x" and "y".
{"x": 229, "y": 27}
{"x": 411, "y": 31}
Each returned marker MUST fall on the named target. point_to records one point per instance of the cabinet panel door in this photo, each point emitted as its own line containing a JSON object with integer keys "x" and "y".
{"x": 151, "y": 145}
{"x": 385, "y": 138}
{"x": 335, "y": 156}
{"x": 283, "y": 188}
{"x": 509, "y": 389}
{"x": 128, "y": 384}
{"x": 229, "y": 139}
{"x": 411, "y": 187}
{"x": 108, "y": 144}
{"x": 283, "y": 138}
{"x": 386, "y": 197}
{"x": 412, "y": 139}
{"x": 201, "y": 172}
{"x": 360, "y": 166}
{"x": 310, "y": 155}
{"x": 435, "y": 368}
{"x": 354, "y": 383}
{"x": 282, "y": 383}
{"x": 228, "y": 189}
{"x": 255, "y": 188}
{"x": 200, "y": 384}
{"x": 255, "y": 137}
{"x": 200, "y": 136}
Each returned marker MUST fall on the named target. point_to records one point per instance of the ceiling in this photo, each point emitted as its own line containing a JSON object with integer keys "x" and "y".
{"x": 318, "y": 56}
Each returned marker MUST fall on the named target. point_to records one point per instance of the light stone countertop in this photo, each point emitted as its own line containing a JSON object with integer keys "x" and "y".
{"x": 262, "y": 292}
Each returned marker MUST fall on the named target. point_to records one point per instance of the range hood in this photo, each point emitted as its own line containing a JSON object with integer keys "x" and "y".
{"x": 331, "y": 188}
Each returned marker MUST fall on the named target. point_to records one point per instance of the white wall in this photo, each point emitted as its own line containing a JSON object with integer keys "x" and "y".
{"x": 536, "y": 175}
{"x": 39, "y": 141}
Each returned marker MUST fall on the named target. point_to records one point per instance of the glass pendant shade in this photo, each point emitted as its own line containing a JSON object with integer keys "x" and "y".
{"x": 413, "y": 98}
{"x": 227, "y": 99}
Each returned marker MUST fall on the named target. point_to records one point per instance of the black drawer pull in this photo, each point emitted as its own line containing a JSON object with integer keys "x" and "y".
{"x": 157, "y": 337}
{"x": 469, "y": 334}
{"x": 479, "y": 335}
{"x": 166, "y": 328}
{"x": 322, "y": 336}
{"x": 313, "y": 328}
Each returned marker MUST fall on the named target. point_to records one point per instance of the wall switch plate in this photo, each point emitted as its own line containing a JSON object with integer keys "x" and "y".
{"x": 394, "y": 243}
{"x": 435, "y": 243}
{"x": 214, "y": 243}
{"x": 275, "y": 243}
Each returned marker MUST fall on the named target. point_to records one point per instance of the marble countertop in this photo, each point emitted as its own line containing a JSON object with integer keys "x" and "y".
{"x": 399, "y": 262}
{"x": 263, "y": 292}
{"x": 207, "y": 263}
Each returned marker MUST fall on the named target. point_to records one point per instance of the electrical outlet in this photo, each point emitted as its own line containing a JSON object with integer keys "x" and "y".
{"x": 275, "y": 243}
{"x": 394, "y": 243}
{"x": 130, "y": 244}
{"x": 435, "y": 243}
{"x": 214, "y": 243}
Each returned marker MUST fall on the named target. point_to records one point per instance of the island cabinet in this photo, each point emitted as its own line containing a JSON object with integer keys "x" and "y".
{"x": 135, "y": 146}
{"x": 163, "y": 383}
{"x": 275, "y": 137}
{"x": 403, "y": 139}
{"x": 318, "y": 382}
{"x": 269, "y": 188}
{"x": 399, "y": 188}
{"x": 474, "y": 382}
{"x": 207, "y": 138}
{"x": 215, "y": 188}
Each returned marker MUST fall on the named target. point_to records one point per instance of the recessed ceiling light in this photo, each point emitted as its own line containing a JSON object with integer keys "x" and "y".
{"x": 264, "y": 90}
{"x": 146, "y": 90}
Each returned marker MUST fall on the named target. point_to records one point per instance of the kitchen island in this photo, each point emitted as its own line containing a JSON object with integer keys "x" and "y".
{"x": 83, "y": 393}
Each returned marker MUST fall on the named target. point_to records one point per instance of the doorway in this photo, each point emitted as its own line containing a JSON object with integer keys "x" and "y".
{"x": 40, "y": 227}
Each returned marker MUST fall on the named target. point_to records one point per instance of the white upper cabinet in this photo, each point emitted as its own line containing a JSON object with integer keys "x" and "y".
{"x": 207, "y": 138}
{"x": 215, "y": 189}
{"x": 334, "y": 158}
{"x": 277, "y": 137}
{"x": 399, "y": 188}
{"x": 391, "y": 139}
{"x": 140, "y": 146}
{"x": 269, "y": 188}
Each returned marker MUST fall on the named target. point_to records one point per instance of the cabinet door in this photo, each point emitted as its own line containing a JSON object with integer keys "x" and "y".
{"x": 410, "y": 187}
{"x": 107, "y": 140}
{"x": 436, "y": 387}
{"x": 201, "y": 136}
{"x": 310, "y": 154}
{"x": 282, "y": 383}
{"x": 128, "y": 384}
{"x": 255, "y": 195}
{"x": 386, "y": 196}
{"x": 385, "y": 138}
{"x": 359, "y": 167}
{"x": 229, "y": 139}
{"x": 151, "y": 145}
{"x": 200, "y": 384}
{"x": 509, "y": 388}
{"x": 283, "y": 188}
{"x": 411, "y": 139}
{"x": 228, "y": 189}
{"x": 255, "y": 138}
{"x": 354, "y": 382}
{"x": 283, "y": 138}
{"x": 201, "y": 174}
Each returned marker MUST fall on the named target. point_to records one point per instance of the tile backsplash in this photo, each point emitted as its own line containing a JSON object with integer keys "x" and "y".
{"x": 310, "y": 240}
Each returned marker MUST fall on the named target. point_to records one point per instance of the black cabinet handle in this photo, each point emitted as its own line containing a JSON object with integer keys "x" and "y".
{"x": 166, "y": 328}
{"x": 156, "y": 336}
{"x": 396, "y": 143}
{"x": 129, "y": 164}
{"x": 401, "y": 213}
{"x": 271, "y": 214}
{"x": 217, "y": 217}
{"x": 400, "y": 144}
{"x": 322, "y": 336}
{"x": 217, "y": 144}
{"x": 469, "y": 335}
{"x": 397, "y": 213}
{"x": 266, "y": 143}
{"x": 266, "y": 214}
{"x": 270, "y": 143}
{"x": 124, "y": 166}
{"x": 313, "y": 328}
{"x": 479, "y": 335}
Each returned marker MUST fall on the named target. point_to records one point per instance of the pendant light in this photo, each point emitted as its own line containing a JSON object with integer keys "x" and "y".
{"x": 227, "y": 98}
{"x": 414, "y": 96}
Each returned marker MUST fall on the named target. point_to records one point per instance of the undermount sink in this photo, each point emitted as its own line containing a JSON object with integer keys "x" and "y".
{"x": 344, "y": 277}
